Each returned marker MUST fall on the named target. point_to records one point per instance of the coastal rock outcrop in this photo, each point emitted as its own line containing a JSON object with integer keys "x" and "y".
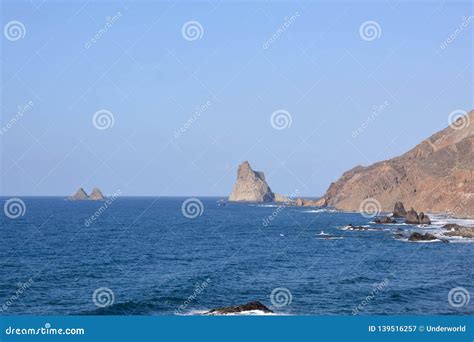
{"x": 412, "y": 217}
{"x": 81, "y": 195}
{"x": 96, "y": 195}
{"x": 458, "y": 231}
{"x": 302, "y": 202}
{"x": 384, "y": 220}
{"x": 251, "y": 306}
{"x": 399, "y": 210}
{"x": 251, "y": 186}
{"x": 437, "y": 175}
{"x": 422, "y": 237}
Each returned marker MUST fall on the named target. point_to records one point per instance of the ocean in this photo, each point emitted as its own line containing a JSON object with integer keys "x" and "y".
{"x": 152, "y": 256}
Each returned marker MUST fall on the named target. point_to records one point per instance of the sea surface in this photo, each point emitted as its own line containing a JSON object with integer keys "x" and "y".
{"x": 148, "y": 256}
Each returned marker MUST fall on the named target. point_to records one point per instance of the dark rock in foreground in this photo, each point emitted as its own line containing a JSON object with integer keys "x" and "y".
{"x": 399, "y": 210}
{"x": 422, "y": 237}
{"x": 251, "y": 306}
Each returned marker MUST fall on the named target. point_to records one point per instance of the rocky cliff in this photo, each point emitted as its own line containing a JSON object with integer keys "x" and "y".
{"x": 251, "y": 186}
{"x": 435, "y": 176}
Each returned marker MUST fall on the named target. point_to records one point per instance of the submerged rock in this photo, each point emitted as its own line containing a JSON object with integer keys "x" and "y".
{"x": 251, "y": 186}
{"x": 422, "y": 237}
{"x": 399, "y": 210}
{"x": 385, "y": 220}
{"x": 351, "y": 227}
{"x": 80, "y": 195}
{"x": 251, "y": 306}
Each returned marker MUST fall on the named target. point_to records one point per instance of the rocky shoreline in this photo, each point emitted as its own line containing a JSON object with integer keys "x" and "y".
{"x": 411, "y": 217}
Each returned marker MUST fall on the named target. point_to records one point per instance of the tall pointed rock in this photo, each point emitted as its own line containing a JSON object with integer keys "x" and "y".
{"x": 251, "y": 186}
{"x": 96, "y": 195}
{"x": 80, "y": 195}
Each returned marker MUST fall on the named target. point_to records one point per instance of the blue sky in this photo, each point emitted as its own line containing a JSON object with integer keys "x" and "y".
{"x": 244, "y": 65}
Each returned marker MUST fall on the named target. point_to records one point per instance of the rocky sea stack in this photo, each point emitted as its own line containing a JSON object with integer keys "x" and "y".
{"x": 81, "y": 195}
{"x": 251, "y": 186}
{"x": 96, "y": 195}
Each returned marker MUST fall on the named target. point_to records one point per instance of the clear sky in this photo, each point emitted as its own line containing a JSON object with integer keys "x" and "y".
{"x": 239, "y": 63}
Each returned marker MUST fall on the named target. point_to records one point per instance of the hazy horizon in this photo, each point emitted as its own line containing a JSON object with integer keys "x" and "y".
{"x": 187, "y": 91}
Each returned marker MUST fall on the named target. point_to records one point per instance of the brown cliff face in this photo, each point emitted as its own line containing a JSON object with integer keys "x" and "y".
{"x": 435, "y": 176}
{"x": 251, "y": 186}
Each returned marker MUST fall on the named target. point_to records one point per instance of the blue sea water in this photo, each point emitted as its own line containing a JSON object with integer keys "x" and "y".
{"x": 157, "y": 261}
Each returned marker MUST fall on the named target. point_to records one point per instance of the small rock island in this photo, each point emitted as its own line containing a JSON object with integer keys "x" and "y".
{"x": 81, "y": 195}
{"x": 251, "y": 186}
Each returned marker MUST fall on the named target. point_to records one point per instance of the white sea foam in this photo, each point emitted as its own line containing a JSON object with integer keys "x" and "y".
{"x": 243, "y": 313}
{"x": 441, "y": 220}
